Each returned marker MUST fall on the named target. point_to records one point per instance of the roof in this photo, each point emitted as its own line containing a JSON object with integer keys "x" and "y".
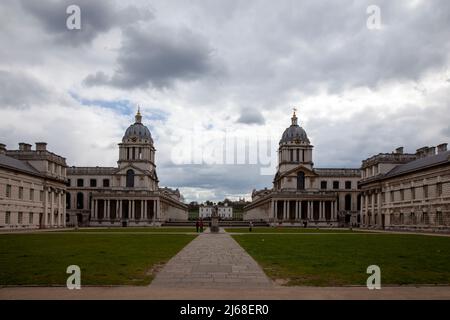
{"x": 421, "y": 163}
{"x": 14, "y": 164}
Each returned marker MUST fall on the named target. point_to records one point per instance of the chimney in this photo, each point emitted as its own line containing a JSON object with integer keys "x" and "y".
{"x": 24, "y": 146}
{"x": 431, "y": 151}
{"x": 41, "y": 146}
{"x": 399, "y": 150}
{"x": 421, "y": 152}
{"x": 2, "y": 148}
{"x": 442, "y": 147}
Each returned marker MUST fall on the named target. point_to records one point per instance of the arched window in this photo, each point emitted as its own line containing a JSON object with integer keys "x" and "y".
{"x": 348, "y": 202}
{"x": 301, "y": 181}
{"x": 130, "y": 178}
{"x": 68, "y": 200}
{"x": 80, "y": 200}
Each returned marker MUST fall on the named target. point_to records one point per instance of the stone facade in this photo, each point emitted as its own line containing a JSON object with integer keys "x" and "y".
{"x": 407, "y": 191}
{"x": 126, "y": 195}
{"x": 32, "y": 188}
{"x": 224, "y": 212}
{"x": 302, "y": 194}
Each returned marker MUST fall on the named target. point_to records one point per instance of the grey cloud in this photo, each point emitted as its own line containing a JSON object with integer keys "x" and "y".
{"x": 19, "y": 90}
{"x": 96, "y": 17}
{"x": 251, "y": 116}
{"x": 157, "y": 57}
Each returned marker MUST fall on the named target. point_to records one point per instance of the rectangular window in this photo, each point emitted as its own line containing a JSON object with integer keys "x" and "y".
{"x": 80, "y": 183}
{"x": 8, "y": 191}
{"x": 20, "y": 218}
{"x": 41, "y": 195}
{"x": 413, "y": 193}
{"x": 392, "y": 196}
{"x": 68, "y": 182}
{"x": 291, "y": 155}
{"x": 348, "y": 184}
{"x": 30, "y": 218}
{"x": 32, "y": 194}
{"x": 425, "y": 191}
{"x": 439, "y": 220}
{"x": 335, "y": 184}
{"x": 93, "y": 183}
{"x": 402, "y": 195}
{"x": 8, "y": 217}
{"x": 323, "y": 184}
{"x": 439, "y": 189}
{"x": 106, "y": 183}
{"x": 20, "y": 192}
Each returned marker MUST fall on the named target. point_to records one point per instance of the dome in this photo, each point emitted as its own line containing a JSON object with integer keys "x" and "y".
{"x": 138, "y": 130}
{"x": 294, "y": 133}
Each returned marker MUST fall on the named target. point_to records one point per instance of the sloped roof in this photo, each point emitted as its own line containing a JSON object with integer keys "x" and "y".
{"x": 12, "y": 163}
{"x": 421, "y": 163}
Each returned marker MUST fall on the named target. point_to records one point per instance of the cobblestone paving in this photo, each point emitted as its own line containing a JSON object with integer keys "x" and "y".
{"x": 212, "y": 261}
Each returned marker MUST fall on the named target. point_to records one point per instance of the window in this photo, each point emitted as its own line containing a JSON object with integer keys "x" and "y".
{"x": 93, "y": 183}
{"x": 439, "y": 189}
{"x": 348, "y": 202}
{"x": 140, "y": 153}
{"x": 30, "y": 218}
{"x": 425, "y": 218}
{"x": 68, "y": 182}
{"x": 8, "y": 191}
{"x": 8, "y": 217}
{"x": 425, "y": 191}
{"x": 401, "y": 218}
{"x": 130, "y": 178}
{"x": 392, "y": 196}
{"x": 80, "y": 183}
{"x": 323, "y": 184}
{"x": 41, "y": 195}
{"x": 80, "y": 200}
{"x": 413, "y": 193}
{"x": 412, "y": 218}
{"x": 335, "y": 184}
{"x": 291, "y": 155}
{"x": 20, "y": 192}
{"x": 20, "y": 218}
{"x": 348, "y": 184}
{"x": 68, "y": 198}
{"x": 32, "y": 194}
{"x": 402, "y": 195}
{"x": 106, "y": 183}
{"x": 439, "y": 219}
{"x": 300, "y": 180}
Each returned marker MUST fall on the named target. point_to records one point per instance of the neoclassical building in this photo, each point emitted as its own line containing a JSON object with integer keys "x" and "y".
{"x": 32, "y": 188}
{"x": 126, "y": 195}
{"x": 407, "y": 191}
{"x": 302, "y": 193}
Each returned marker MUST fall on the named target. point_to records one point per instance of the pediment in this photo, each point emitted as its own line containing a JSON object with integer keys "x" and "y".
{"x": 123, "y": 171}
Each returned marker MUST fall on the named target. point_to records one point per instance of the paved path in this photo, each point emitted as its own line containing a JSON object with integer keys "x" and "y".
{"x": 212, "y": 261}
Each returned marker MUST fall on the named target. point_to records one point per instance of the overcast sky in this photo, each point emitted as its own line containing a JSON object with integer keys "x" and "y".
{"x": 208, "y": 71}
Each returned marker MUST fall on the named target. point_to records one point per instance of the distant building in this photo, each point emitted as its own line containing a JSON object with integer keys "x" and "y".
{"x": 407, "y": 191}
{"x": 224, "y": 212}
{"x": 302, "y": 193}
{"x": 126, "y": 195}
{"x": 32, "y": 188}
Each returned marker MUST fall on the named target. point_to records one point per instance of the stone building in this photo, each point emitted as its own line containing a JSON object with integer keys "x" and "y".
{"x": 304, "y": 194}
{"x": 224, "y": 212}
{"x": 32, "y": 188}
{"x": 126, "y": 195}
{"x": 402, "y": 191}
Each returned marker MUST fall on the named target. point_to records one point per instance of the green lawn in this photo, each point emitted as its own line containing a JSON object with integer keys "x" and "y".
{"x": 135, "y": 229}
{"x": 109, "y": 259}
{"x": 290, "y": 230}
{"x": 334, "y": 260}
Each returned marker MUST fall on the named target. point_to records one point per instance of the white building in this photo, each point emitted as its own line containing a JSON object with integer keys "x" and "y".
{"x": 126, "y": 195}
{"x": 32, "y": 188}
{"x": 224, "y": 212}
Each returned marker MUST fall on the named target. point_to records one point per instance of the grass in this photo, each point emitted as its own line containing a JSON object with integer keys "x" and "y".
{"x": 336, "y": 260}
{"x": 135, "y": 229}
{"x": 119, "y": 259}
{"x": 290, "y": 230}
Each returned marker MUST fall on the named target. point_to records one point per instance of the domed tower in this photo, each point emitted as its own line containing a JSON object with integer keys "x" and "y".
{"x": 294, "y": 148}
{"x": 136, "y": 149}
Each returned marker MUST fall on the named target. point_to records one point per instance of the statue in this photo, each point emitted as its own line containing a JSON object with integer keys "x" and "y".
{"x": 214, "y": 220}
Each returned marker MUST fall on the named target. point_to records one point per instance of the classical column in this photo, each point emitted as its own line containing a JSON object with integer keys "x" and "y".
{"x": 372, "y": 203}
{"x": 52, "y": 207}
{"x": 144, "y": 215}
{"x": 118, "y": 211}
{"x": 299, "y": 209}
{"x": 296, "y": 210}
{"x": 108, "y": 210}
{"x": 367, "y": 209}
{"x": 361, "y": 209}
{"x": 129, "y": 209}
{"x": 320, "y": 210}
{"x": 275, "y": 210}
{"x": 288, "y": 210}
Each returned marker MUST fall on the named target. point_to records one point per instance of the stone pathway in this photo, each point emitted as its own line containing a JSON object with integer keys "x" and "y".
{"x": 212, "y": 261}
